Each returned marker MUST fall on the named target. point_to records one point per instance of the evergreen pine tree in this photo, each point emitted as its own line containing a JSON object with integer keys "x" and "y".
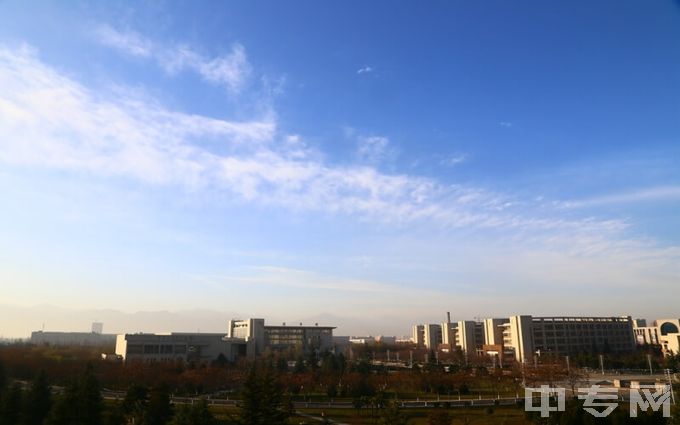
{"x": 250, "y": 406}
{"x": 65, "y": 409}
{"x": 38, "y": 401}
{"x": 159, "y": 410}
{"x": 135, "y": 402}
{"x": 81, "y": 403}
{"x": 263, "y": 402}
{"x": 90, "y": 398}
{"x": 271, "y": 398}
{"x": 10, "y": 405}
{"x": 3, "y": 378}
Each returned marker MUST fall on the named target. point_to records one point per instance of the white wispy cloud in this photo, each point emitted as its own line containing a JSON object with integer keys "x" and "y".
{"x": 651, "y": 194}
{"x": 506, "y": 124}
{"x": 454, "y": 160}
{"x": 365, "y": 70}
{"x": 47, "y": 119}
{"x": 50, "y": 120}
{"x": 231, "y": 70}
{"x": 129, "y": 42}
{"x": 373, "y": 149}
{"x": 295, "y": 278}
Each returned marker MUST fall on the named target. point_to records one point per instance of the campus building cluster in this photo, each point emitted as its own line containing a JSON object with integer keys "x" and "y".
{"x": 521, "y": 338}
{"x": 249, "y": 337}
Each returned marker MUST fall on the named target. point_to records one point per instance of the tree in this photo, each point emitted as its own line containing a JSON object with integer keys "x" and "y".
{"x": 10, "y": 405}
{"x": 38, "y": 401}
{"x": 3, "y": 377}
{"x": 81, "y": 403}
{"x": 65, "y": 409}
{"x": 263, "y": 402}
{"x": 90, "y": 396}
{"x": 159, "y": 410}
{"x": 135, "y": 402}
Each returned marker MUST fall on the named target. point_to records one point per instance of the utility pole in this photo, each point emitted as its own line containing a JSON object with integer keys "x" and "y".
{"x": 649, "y": 362}
{"x": 602, "y": 363}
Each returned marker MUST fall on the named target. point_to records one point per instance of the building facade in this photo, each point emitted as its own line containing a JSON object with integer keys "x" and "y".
{"x": 432, "y": 336}
{"x": 663, "y": 332}
{"x": 527, "y": 336}
{"x": 418, "y": 335}
{"x": 184, "y": 347}
{"x": 72, "y": 338}
{"x": 259, "y": 336}
{"x": 520, "y": 338}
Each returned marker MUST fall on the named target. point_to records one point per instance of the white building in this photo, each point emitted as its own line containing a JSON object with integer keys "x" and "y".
{"x": 418, "y": 335}
{"x": 664, "y": 332}
{"x": 526, "y": 336}
{"x": 259, "y": 336}
{"x": 520, "y": 338}
{"x": 432, "y": 336}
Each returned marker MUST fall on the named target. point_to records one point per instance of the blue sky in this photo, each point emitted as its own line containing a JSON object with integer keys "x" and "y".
{"x": 369, "y": 164}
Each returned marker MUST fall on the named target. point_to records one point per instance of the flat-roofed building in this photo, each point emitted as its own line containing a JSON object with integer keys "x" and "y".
{"x": 663, "y": 332}
{"x": 72, "y": 338}
{"x": 470, "y": 337}
{"x": 418, "y": 335}
{"x": 185, "y": 347}
{"x": 526, "y": 336}
{"x": 432, "y": 336}
{"x": 260, "y": 336}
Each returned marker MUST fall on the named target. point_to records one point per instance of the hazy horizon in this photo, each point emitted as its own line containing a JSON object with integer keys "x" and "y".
{"x": 374, "y": 163}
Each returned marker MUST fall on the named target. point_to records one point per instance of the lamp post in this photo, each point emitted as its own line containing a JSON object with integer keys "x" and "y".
{"x": 667, "y": 372}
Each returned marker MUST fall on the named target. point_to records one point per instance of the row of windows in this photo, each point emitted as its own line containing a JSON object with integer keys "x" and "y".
{"x": 156, "y": 349}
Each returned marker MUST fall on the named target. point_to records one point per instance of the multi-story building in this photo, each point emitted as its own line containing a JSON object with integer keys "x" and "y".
{"x": 185, "y": 347}
{"x": 527, "y": 336}
{"x": 664, "y": 333}
{"x": 72, "y": 338}
{"x": 418, "y": 337}
{"x": 432, "y": 336}
{"x": 470, "y": 337}
{"x": 259, "y": 336}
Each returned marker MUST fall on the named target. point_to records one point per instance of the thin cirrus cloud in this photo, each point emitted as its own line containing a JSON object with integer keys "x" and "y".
{"x": 365, "y": 70}
{"x": 454, "y": 160}
{"x": 231, "y": 70}
{"x": 293, "y": 278}
{"x": 374, "y": 149}
{"x": 137, "y": 138}
{"x": 653, "y": 194}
